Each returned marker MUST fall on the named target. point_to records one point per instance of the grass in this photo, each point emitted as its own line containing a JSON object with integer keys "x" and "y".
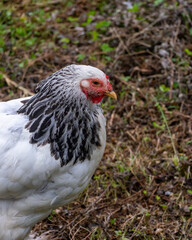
{"x": 142, "y": 188}
{"x": 168, "y": 129}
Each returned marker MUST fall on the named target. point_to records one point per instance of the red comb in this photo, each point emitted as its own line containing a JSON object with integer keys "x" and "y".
{"x": 106, "y": 76}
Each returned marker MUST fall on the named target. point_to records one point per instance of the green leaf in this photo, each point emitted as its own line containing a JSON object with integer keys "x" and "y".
{"x": 72, "y": 19}
{"x": 2, "y": 43}
{"x": 21, "y": 31}
{"x": 108, "y": 58}
{"x": 80, "y": 57}
{"x": 94, "y": 35}
{"x": 188, "y": 52}
{"x": 147, "y": 214}
{"x": 188, "y": 142}
{"x": 21, "y": 65}
{"x": 92, "y": 57}
{"x": 156, "y": 125}
{"x": 163, "y": 88}
{"x": 2, "y": 83}
{"x": 157, "y": 197}
{"x": 118, "y": 233}
{"x": 146, "y": 138}
{"x": 103, "y": 25}
{"x": 64, "y": 45}
{"x": 189, "y": 191}
{"x": 175, "y": 85}
{"x": 126, "y": 78}
{"x": 176, "y": 161}
{"x": 69, "y": 3}
{"x": 65, "y": 40}
{"x": 145, "y": 192}
{"x": 89, "y": 20}
{"x": 163, "y": 206}
{"x": 113, "y": 220}
{"x": 30, "y": 42}
{"x": 106, "y": 48}
{"x": 121, "y": 168}
{"x": 91, "y": 13}
{"x": 135, "y": 7}
{"x": 157, "y": 2}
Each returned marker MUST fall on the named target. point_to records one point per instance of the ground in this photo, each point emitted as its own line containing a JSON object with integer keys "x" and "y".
{"x": 142, "y": 188}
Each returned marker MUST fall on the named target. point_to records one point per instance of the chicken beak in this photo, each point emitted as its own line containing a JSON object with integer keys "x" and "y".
{"x": 111, "y": 94}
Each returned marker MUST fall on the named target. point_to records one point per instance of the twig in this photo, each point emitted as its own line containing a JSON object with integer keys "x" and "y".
{"x": 170, "y": 60}
{"x": 136, "y": 228}
{"x": 88, "y": 210}
{"x": 130, "y": 85}
{"x": 11, "y": 83}
{"x": 134, "y": 36}
{"x": 31, "y": 62}
{"x": 111, "y": 119}
{"x": 97, "y": 200}
{"x": 177, "y": 113}
{"x": 77, "y": 229}
{"x": 121, "y": 40}
{"x": 87, "y": 236}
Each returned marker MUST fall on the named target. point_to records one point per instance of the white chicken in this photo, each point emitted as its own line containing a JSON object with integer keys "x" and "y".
{"x": 50, "y": 146}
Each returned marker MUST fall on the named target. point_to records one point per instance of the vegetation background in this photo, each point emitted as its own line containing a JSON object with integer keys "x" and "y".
{"x": 143, "y": 186}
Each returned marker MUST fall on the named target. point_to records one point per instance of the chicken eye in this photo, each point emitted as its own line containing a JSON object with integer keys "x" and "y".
{"x": 96, "y": 84}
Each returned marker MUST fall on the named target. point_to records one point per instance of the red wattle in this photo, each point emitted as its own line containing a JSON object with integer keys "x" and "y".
{"x": 97, "y": 99}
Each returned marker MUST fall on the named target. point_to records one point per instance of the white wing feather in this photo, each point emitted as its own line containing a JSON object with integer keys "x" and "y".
{"x": 23, "y": 167}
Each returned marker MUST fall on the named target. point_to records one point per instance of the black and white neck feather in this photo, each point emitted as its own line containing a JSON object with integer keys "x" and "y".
{"x": 60, "y": 115}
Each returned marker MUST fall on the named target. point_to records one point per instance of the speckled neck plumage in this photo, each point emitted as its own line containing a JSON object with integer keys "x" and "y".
{"x": 60, "y": 117}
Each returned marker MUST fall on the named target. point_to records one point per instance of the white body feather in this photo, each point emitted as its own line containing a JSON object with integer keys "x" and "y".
{"x": 32, "y": 182}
